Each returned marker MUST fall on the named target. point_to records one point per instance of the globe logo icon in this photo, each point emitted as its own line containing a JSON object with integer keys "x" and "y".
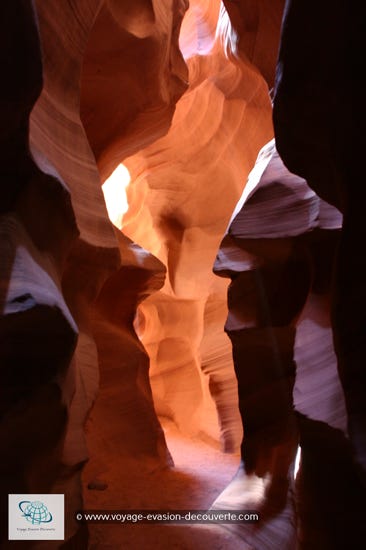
{"x": 35, "y": 512}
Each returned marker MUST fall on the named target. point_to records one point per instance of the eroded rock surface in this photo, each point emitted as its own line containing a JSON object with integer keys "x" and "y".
{"x": 319, "y": 121}
{"x": 133, "y": 75}
{"x": 187, "y": 112}
{"x": 279, "y": 251}
{"x": 38, "y": 333}
{"x": 60, "y": 257}
{"x": 182, "y": 192}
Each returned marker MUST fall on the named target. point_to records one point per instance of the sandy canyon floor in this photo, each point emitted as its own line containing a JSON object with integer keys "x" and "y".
{"x": 200, "y": 473}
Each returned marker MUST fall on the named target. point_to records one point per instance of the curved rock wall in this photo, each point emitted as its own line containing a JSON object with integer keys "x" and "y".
{"x": 182, "y": 192}
{"x": 133, "y": 74}
{"x": 38, "y": 333}
{"x": 61, "y": 261}
{"x": 257, "y": 24}
{"x": 319, "y": 122}
{"x": 183, "y": 101}
{"x": 279, "y": 251}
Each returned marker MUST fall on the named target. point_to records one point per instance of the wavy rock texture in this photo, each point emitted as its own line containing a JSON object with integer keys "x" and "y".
{"x": 122, "y": 423}
{"x": 319, "y": 120}
{"x": 182, "y": 192}
{"x": 133, "y": 53}
{"x": 278, "y": 252}
{"x": 38, "y": 337}
{"x": 110, "y": 84}
{"x": 38, "y": 334}
{"x": 56, "y": 131}
{"x": 257, "y": 24}
{"x": 61, "y": 258}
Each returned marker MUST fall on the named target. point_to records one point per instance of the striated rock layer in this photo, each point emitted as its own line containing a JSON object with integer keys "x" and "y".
{"x": 278, "y": 251}
{"x": 257, "y": 24}
{"x": 133, "y": 74}
{"x": 184, "y": 103}
{"x": 319, "y": 121}
{"x": 122, "y": 425}
{"x": 61, "y": 261}
{"x": 38, "y": 334}
{"x": 182, "y": 192}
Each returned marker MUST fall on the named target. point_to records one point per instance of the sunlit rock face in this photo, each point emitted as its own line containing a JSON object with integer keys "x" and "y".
{"x": 133, "y": 74}
{"x": 61, "y": 261}
{"x": 180, "y": 97}
{"x": 122, "y": 423}
{"x": 182, "y": 192}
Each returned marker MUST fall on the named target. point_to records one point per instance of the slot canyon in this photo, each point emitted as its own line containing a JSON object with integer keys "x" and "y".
{"x": 183, "y": 288}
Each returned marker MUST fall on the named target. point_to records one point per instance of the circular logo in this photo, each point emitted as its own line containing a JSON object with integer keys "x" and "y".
{"x": 35, "y": 512}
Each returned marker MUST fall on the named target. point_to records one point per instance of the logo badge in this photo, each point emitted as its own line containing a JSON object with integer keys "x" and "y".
{"x": 36, "y": 517}
{"x": 35, "y": 512}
